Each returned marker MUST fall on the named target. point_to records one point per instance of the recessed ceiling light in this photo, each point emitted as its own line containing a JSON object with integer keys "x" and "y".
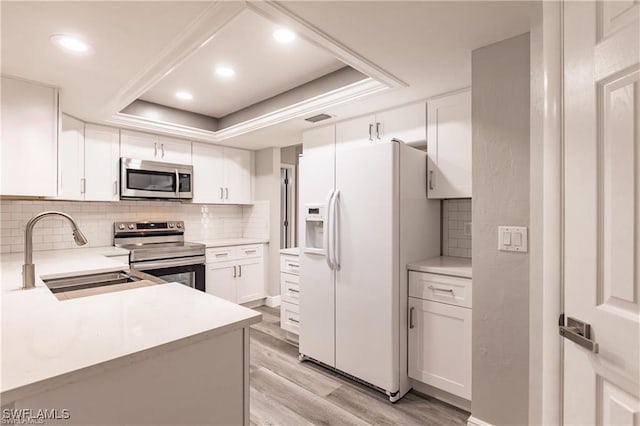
{"x": 71, "y": 43}
{"x": 283, "y": 35}
{"x": 223, "y": 71}
{"x": 185, "y": 96}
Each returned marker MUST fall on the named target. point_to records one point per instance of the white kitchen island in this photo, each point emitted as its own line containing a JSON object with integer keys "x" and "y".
{"x": 162, "y": 354}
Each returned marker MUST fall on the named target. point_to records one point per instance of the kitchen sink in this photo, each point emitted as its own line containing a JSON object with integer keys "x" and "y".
{"x": 94, "y": 284}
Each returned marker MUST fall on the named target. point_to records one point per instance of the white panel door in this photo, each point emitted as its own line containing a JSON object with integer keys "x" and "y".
{"x": 71, "y": 184}
{"x": 407, "y": 123}
{"x": 220, "y": 280}
{"x": 367, "y": 282}
{"x": 238, "y": 175}
{"x": 602, "y": 210}
{"x": 208, "y": 173}
{"x": 317, "y": 291}
{"x": 176, "y": 151}
{"x": 29, "y": 146}
{"x": 440, "y": 346}
{"x": 355, "y": 133}
{"x": 102, "y": 163}
{"x": 449, "y": 146}
{"x": 250, "y": 280}
{"x": 139, "y": 146}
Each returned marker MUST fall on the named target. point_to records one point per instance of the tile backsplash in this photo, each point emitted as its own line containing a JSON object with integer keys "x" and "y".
{"x": 456, "y": 237}
{"x": 95, "y": 219}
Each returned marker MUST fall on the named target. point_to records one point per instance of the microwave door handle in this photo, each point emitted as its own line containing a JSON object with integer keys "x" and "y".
{"x": 177, "y": 184}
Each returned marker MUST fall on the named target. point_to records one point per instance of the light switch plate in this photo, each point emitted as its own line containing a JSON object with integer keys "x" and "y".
{"x": 512, "y": 238}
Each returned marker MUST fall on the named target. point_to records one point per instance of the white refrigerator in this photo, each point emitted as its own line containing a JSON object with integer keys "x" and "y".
{"x": 364, "y": 214}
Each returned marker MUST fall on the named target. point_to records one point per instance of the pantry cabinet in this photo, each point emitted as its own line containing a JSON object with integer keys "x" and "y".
{"x": 221, "y": 174}
{"x": 236, "y": 273}
{"x": 440, "y": 332}
{"x": 29, "y": 147}
{"x": 449, "y": 146}
{"x": 146, "y": 146}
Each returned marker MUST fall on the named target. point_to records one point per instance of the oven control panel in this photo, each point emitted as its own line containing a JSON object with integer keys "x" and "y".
{"x": 146, "y": 227}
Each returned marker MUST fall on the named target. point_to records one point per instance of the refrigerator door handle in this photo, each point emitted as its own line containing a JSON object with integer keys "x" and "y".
{"x": 327, "y": 230}
{"x": 335, "y": 229}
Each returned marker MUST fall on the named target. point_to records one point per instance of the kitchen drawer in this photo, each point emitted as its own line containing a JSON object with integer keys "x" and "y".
{"x": 440, "y": 288}
{"x": 290, "y": 288}
{"x": 290, "y": 264}
{"x": 246, "y": 252}
{"x": 290, "y": 317}
{"x": 221, "y": 254}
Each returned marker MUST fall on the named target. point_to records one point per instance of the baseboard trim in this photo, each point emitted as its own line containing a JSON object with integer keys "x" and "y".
{"x": 272, "y": 301}
{"x": 473, "y": 421}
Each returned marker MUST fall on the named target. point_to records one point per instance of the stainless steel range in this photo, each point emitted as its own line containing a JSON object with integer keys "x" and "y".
{"x": 159, "y": 249}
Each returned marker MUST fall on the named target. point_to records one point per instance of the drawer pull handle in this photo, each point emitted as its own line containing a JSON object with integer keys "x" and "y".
{"x": 411, "y": 310}
{"x": 222, "y": 254}
{"x": 447, "y": 290}
{"x": 293, "y": 290}
{"x": 250, "y": 251}
{"x": 292, "y": 265}
{"x": 293, "y": 320}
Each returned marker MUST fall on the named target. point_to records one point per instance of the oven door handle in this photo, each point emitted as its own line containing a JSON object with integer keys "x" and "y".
{"x": 161, "y": 264}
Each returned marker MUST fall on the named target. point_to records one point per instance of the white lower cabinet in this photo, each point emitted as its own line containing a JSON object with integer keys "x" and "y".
{"x": 440, "y": 333}
{"x": 236, "y": 273}
{"x": 290, "y": 293}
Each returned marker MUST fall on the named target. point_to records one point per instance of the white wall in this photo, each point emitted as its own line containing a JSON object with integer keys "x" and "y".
{"x": 96, "y": 221}
{"x": 500, "y": 119}
{"x": 267, "y": 189}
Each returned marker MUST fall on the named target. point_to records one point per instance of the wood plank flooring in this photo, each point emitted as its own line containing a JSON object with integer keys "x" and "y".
{"x": 287, "y": 392}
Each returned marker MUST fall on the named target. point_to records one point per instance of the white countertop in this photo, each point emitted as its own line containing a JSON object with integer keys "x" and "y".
{"x": 48, "y": 342}
{"x": 444, "y": 265}
{"x": 230, "y": 242}
{"x": 293, "y": 251}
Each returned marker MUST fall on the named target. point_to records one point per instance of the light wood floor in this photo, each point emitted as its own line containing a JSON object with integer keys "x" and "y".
{"x": 285, "y": 391}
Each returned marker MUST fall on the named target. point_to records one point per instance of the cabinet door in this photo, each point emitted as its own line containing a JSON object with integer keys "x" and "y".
{"x": 238, "y": 175}
{"x": 440, "y": 346}
{"x": 102, "y": 157}
{"x": 139, "y": 146}
{"x": 208, "y": 173}
{"x": 29, "y": 143}
{"x": 250, "y": 281}
{"x": 174, "y": 151}
{"x": 408, "y": 123}
{"x": 319, "y": 140}
{"x": 354, "y": 133}
{"x": 449, "y": 146}
{"x": 71, "y": 182}
{"x": 221, "y": 281}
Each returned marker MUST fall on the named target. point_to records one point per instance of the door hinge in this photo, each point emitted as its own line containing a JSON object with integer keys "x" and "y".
{"x": 286, "y": 181}
{"x": 286, "y": 223}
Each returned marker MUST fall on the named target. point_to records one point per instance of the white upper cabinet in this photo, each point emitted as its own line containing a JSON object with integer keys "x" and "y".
{"x": 449, "y": 146}
{"x": 221, "y": 175}
{"x": 29, "y": 139}
{"x": 102, "y": 157}
{"x": 407, "y": 123}
{"x": 71, "y": 181}
{"x": 319, "y": 139}
{"x": 238, "y": 175}
{"x": 88, "y": 161}
{"x": 354, "y": 133}
{"x": 145, "y": 146}
{"x": 174, "y": 151}
{"x": 208, "y": 173}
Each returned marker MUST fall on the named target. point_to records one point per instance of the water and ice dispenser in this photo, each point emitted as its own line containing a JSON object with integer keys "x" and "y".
{"x": 314, "y": 228}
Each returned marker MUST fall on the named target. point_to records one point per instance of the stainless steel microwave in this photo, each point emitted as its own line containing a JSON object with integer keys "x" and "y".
{"x": 152, "y": 179}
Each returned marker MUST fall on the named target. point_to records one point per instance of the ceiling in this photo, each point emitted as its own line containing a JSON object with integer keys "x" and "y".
{"x": 426, "y": 44}
{"x": 264, "y": 68}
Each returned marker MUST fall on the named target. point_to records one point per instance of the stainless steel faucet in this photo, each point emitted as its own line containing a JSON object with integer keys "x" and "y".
{"x": 29, "y": 269}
